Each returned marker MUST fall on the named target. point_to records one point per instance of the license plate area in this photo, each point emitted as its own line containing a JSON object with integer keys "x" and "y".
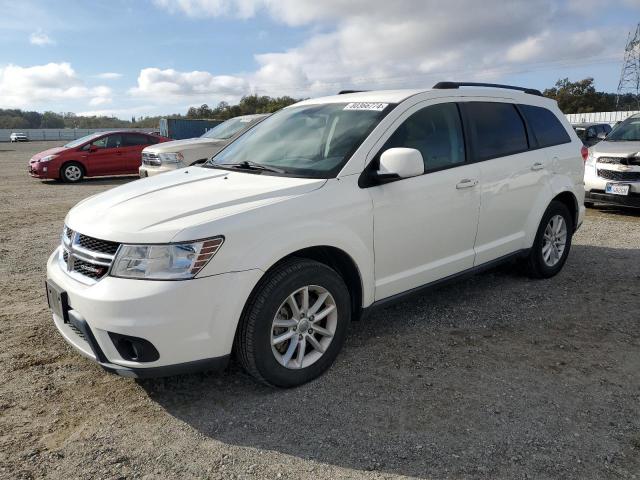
{"x": 617, "y": 188}
{"x": 58, "y": 300}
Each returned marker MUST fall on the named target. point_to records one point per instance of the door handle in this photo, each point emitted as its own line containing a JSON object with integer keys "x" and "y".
{"x": 537, "y": 166}
{"x": 466, "y": 183}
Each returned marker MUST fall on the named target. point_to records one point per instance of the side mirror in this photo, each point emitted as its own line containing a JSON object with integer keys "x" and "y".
{"x": 93, "y": 149}
{"x": 398, "y": 163}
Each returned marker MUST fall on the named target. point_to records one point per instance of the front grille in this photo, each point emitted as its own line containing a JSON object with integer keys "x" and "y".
{"x": 86, "y": 258}
{"x": 89, "y": 269}
{"x": 619, "y": 176}
{"x": 102, "y": 246}
{"x": 151, "y": 159}
{"x": 620, "y": 160}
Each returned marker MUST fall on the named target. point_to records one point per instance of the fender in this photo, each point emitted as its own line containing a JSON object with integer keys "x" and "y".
{"x": 341, "y": 218}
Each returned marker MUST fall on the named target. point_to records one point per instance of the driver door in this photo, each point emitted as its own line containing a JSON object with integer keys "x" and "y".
{"x": 425, "y": 226}
{"x": 103, "y": 156}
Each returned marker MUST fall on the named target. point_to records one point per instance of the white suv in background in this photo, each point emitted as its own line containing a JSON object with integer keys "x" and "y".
{"x": 325, "y": 210}
{"x": 192, "y": 151}
{"x": 612, "y": 171}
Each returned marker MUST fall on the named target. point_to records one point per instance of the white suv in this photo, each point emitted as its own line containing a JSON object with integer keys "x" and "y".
{"x": 323, "y": 211}
{"x": 612, "y": 173}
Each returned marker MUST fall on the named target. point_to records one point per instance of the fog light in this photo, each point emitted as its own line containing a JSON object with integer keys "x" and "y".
{"x": 44, "y": 169}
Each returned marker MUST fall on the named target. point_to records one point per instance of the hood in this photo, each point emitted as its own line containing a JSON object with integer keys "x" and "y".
{"x": 51, "y": 151}
{"x": 156, "y": 209}
{"x": 616, "y": 149}
{"x": 181, "y": 145}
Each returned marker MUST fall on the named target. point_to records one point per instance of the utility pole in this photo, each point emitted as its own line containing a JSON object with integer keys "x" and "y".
{"x": 630, "y": 73}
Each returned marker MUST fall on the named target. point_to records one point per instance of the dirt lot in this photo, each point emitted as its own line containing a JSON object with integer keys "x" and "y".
{"x": 494, "y": 377}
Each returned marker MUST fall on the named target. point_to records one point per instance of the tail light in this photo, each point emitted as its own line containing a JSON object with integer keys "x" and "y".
{"x": 584, "y": 151}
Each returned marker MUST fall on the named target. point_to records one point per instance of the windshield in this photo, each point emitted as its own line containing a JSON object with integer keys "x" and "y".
{"x": 81, "y": 140}
{"x": 229, "y": 128}
{"x": 310, "y": 141}
{"x": 627, "y": 131}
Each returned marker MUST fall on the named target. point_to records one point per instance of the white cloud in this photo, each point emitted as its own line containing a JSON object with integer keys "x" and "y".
{"x": 109, "y": 75}
{"x": 170, "y": 85}
{"x": 46, "y": 84}
{"x": 382, "y": 44}
{"x": 40, "y": 38}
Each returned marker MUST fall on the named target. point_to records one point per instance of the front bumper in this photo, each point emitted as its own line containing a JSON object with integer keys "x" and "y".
{"x": 191, "y": 323}
{"x": 595, "y": 190}
{"x": 38, "y": 170}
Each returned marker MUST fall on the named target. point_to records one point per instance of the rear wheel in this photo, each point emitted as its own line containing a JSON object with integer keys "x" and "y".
{"x": 72, "y": 172}
{"x": 294, "y": 324}
{"x": 552, "y": 243}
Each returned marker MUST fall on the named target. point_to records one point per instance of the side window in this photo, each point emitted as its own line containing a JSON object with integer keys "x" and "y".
{"x": 435, "y": 131}
{"x": 546, "y": 127}
{"x": 133, "y": 140}
{"x": 607, "y": 128}
{"x": 114, "y": 141}
{"x": 496, "y": 128}
{"x": 151, "y": 140}
{"x": 100, "y": 143}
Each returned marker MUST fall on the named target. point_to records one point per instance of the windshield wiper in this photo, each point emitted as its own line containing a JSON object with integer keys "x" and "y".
{"x": 249, "y": 165}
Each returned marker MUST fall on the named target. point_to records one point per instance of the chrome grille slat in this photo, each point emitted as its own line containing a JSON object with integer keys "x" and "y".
{"x": 619, "y": 176}
{"x": 85, "y": 258}
{"x": 151, "y": 159}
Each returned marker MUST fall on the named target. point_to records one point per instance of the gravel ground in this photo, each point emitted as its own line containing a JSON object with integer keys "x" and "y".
{"x": 497, "y": 376}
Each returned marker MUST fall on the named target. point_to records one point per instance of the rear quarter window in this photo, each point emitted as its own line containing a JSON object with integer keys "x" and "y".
{"x": 545, "y": 126}
{"x": 496, "y": 128}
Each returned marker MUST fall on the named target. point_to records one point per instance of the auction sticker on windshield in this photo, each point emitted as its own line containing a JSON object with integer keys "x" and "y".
{"x": 376, "y": 107}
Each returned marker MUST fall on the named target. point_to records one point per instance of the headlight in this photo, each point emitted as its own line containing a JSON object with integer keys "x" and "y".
{"x": 171, "y": 157}
{"x": 174, "y": 261}
{"x": 48, "y": 158}
{"x": 591, "y": 159}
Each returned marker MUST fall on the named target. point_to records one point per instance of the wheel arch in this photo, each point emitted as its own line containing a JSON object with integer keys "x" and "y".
{"x": 571, "y": 202}
{"x": 338, "y": 260}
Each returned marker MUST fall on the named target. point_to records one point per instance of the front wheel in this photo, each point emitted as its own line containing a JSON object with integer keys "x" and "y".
{"x": 72, "y": 172}
{"x": 294, "y": 324}
{"x": 552, "y": 243}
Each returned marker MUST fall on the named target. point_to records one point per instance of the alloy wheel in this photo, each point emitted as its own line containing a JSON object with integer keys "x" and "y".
{"x": 554, "y": 240}
{"x": 304, "y": 327}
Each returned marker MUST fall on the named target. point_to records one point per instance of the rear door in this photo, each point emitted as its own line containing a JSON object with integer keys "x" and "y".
{"x": 132, "y": 146}
{"x": 103, "y": 156}
{"x": 511, "y": 176}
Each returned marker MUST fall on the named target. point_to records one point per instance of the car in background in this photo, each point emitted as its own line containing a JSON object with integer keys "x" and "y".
{"x": 98, "y": 154}
{"x": 18, "y": 137}
{"x": 591, "y": 133}
{"x": 612, "y": 170}
{"x": 192, "y": 151}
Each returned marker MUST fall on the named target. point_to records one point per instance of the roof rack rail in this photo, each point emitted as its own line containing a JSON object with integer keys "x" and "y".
{"x": 449, "y": 85}
{"x": 343, "y": 92}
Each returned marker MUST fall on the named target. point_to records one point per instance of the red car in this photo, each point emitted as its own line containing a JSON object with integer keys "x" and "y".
{"x": 103, "y": 153}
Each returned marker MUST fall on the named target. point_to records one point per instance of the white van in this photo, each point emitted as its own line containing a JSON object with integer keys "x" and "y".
{"x": 325, "y": 210}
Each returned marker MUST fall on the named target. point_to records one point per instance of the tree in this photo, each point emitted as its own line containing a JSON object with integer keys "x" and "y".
{"x": 582, "y": 97}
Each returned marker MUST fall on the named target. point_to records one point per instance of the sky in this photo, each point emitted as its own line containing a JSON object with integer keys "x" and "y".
{"x": 129, "y": 58}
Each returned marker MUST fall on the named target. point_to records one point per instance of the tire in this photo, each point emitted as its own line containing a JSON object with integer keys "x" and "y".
{"x": 72, "y": 172}
{"x": 271, "y": 302}
{"x": 537, "y": 264}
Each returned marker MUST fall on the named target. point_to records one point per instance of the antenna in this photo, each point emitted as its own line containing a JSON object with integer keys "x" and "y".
{"x": 630, "y": 73}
